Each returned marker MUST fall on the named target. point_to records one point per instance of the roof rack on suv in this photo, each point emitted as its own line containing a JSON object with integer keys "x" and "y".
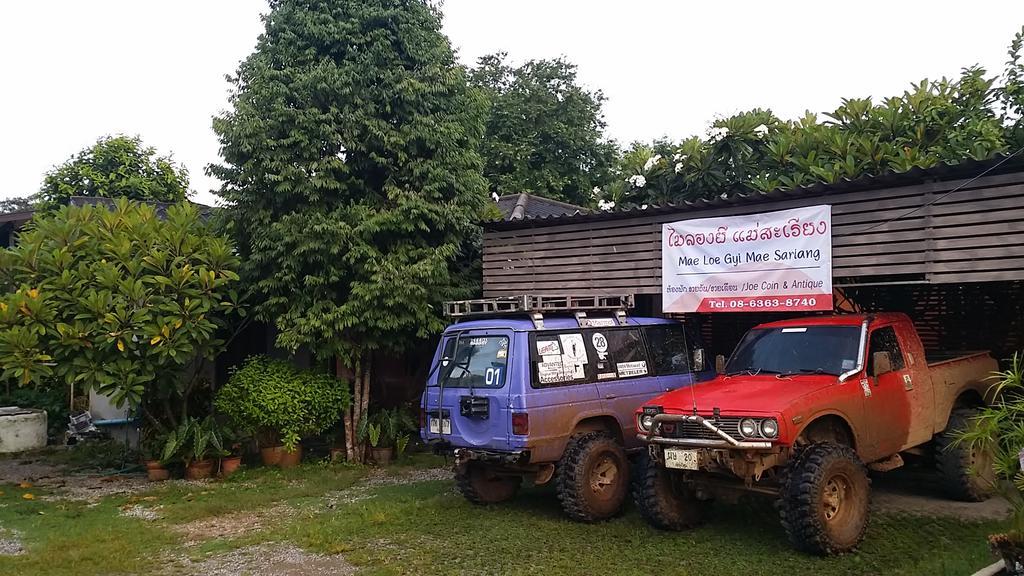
{"x": 535, "y": 306}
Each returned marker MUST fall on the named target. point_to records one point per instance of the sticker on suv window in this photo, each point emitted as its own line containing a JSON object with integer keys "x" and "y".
{"x": 628, "y": 369}
{"x": 600, "y": 344}
{"x": 574, "y": 350}
{"x": 551, "y": 372}
{"x": 548, "y": 347}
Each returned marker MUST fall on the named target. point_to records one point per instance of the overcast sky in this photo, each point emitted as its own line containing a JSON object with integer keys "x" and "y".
{"x": 74, "y": 70}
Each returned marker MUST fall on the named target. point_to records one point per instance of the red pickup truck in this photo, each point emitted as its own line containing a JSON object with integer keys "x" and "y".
{"x": 801, "y": 411}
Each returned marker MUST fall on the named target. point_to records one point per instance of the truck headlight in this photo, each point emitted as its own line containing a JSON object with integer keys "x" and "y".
{"x": 748, "y": 428}
{"x": 646, "y": 421}
{"x": 769, "y": 428}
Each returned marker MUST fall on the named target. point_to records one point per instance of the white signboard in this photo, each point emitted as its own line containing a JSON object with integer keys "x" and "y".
{"x": 771, "y": 262}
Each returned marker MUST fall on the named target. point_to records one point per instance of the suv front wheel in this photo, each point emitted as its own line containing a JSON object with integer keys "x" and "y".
{"x": 665, "y": 501}
{"x": 825, "y": 499}
{"x": 593, "y": 477}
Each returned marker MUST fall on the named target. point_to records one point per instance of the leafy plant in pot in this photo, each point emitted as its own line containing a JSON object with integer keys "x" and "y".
{"x": 999, "y": 429}
{"x": 195, "y": 442}
{"x": 233, "y": 443}
{"x": 280, "y": 404}
{"x": 152, "y": 445}
{"x": 388, "y": 433}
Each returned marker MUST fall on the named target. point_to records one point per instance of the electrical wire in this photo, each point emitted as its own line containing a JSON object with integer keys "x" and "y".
{"x": 943, "y": 196}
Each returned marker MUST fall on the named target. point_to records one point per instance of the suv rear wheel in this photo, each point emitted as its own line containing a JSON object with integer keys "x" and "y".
{"x": 965, "y": 468}
{"x": 664, "y": 501}
{"x": 481, "y": 485}
{"x": 592, "y": 477}
{"x": 825, "y": 499}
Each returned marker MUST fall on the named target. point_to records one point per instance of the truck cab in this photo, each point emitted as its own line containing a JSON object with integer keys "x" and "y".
{"x": 544, "y": 388}
{"x": 801, "y": 409}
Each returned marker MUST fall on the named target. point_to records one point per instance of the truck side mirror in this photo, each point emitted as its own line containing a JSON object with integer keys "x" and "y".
{"x": 881, "y": 362}
{"x": 720, "y": 364}
{"x": 698, "y": 360}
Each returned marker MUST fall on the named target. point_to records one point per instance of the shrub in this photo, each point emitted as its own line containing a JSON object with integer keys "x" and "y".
{"x": 277, "y": 401}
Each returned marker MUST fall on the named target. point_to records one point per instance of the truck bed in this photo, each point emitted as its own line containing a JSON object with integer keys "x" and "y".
{"x": 936, "y": 357}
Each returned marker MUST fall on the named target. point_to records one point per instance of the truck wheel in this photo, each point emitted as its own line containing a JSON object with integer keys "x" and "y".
{"x": 592, "y": 477}
{"x": 480, "y": 485}
{"x": 824, "y": 501}
{"x": 965, "y": 470}
{"x": 663, "y": 502}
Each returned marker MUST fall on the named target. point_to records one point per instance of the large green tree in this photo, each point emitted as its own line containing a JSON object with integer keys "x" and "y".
{"x": 973, "y": 116}
{"x": 351, "y": 175}
{"x": 116, "y": 167}
{"x": 545, "y": 132}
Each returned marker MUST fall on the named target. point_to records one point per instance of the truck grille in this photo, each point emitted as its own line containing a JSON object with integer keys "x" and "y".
{"x": 729, "y": 425}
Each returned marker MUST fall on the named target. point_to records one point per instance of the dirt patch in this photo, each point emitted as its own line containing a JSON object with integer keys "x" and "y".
{"x": 10, "y": 543}
{"x": 377, "y": 478}
{"x": 917, "y": 492}
{"x": 66, "y": 485}
{"x": 272, "y": 559}
{"x": 231, "y": 525}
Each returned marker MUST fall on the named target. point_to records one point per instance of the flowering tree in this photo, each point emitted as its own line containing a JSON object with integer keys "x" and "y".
{"x": 933, "y": 122}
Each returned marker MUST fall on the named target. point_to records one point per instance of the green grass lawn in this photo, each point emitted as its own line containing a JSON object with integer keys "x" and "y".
{"x": 425, "y": 527}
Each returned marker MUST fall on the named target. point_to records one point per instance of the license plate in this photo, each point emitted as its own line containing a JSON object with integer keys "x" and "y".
{"x": 681, "y": 459}
{"x": 440, "y": 425}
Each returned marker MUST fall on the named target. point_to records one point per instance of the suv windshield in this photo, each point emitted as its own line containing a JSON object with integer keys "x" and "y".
{"x": 478, "y": 362}
{"x": 796, "y": 350}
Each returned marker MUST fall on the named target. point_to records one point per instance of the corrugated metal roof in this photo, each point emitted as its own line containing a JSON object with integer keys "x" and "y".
{"x": 966, "y": 169}
{"x": 531, "y": 206}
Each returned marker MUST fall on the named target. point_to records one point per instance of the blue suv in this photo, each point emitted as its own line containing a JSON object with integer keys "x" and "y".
{"x": 531, "y": 387}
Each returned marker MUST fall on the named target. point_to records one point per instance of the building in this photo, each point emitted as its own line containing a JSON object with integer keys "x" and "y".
{"x": 944, "y": 244}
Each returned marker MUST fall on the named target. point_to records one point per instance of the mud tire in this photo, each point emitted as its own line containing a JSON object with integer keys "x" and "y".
{"x": 592, "y": 478}
{"x": 663, "y": 502}
{"x": 956, "y": 461}
{"x": 480, "y": 485}
{"x": 825, "y": 500}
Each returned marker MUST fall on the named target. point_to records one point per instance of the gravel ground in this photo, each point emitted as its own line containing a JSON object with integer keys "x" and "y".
{"x": 271, "y": 559}
{"x": 10, "y": 543}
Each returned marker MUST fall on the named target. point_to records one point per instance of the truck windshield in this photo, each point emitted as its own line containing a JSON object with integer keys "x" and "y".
{"x": 478, "y": 362}
{"x": 796, "y": 350}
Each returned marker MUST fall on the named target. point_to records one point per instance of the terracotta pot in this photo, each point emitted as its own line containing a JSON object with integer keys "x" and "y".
{"x": 382, "y": 456}
{"x": 290, "y": 459}
{"x": 229, "y": 465}
{"x": 154, "y": 465}
{"x": 158, "y": 474}
{"x": 199, "y": 469}
{"x": 337, "y": 454}
{"x": 272, "y": 455}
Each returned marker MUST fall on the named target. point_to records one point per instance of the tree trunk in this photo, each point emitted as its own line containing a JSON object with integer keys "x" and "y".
{"x": 347, "y": 422}
{"x": 365, "y": 398}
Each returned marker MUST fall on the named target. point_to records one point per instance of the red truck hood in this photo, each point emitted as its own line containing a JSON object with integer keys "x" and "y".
{"x": 739, "y": 395}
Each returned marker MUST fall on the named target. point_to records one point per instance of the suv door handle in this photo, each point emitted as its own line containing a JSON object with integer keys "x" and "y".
{"x": 610, "y": 396}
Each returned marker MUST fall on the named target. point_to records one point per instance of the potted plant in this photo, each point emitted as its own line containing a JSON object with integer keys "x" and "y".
{"x": 195, "y": 442}
{"x": 280, "y": 404}
{"x": 999, "y": 427}
{"x": 233, "y": 442}
{"x": 388, "y": 433}
{"x": 152, "y": 444}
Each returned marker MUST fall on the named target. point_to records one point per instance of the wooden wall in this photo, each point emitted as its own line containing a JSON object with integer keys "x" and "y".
{"x": 973, "y": 235}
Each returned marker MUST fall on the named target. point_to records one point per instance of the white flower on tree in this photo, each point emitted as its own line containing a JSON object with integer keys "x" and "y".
{"x": 652, "y": 162}
{"x": 605, "y": 204}
{"x": 494, "y": 196}
{"x": 761, "y": 130}
{"x": 719, "y": 132}
{"x": 595, "y": 191}
{"x": 679, "y": 167}
{"x": 637, "y": 181}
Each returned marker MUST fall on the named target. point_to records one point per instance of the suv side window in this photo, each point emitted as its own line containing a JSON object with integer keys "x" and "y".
{"x": 620, "y": 353}
{"x": 884, "y": 340}
{"x": 670, "y": 348}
